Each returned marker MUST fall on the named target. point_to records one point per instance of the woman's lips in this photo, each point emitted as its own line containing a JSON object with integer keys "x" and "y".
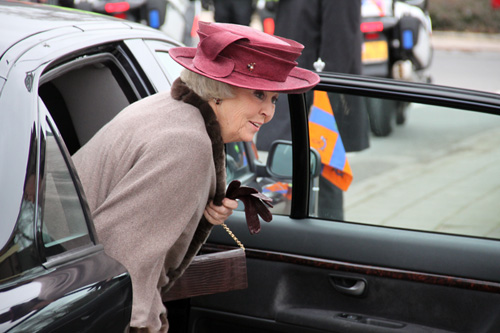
{"x": 256, "y": 125}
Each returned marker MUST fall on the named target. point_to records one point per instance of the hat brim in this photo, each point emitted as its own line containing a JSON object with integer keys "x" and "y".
{"x": 299, "y": 80}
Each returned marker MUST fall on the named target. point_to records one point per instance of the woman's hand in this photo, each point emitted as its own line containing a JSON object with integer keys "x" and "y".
{"x": 218, "y": 214}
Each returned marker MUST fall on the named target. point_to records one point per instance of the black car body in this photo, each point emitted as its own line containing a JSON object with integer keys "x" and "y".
{"x": 54, "y": 274}
{"x": 417, "y": 249}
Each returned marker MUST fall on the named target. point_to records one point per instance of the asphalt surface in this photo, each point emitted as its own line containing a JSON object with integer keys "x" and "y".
{"x": 430, "y": 208}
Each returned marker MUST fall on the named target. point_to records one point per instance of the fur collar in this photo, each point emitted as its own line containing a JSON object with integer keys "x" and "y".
{"x": 181, "y": 92}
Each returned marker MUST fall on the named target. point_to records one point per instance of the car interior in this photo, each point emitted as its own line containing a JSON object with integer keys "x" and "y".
{"x": 85, "y": 94}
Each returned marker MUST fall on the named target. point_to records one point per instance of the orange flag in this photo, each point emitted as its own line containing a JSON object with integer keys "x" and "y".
{"x": 324, "y": 137}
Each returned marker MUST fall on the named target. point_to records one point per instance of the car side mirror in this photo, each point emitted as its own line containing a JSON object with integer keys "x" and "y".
{"x": 279, "y": 161}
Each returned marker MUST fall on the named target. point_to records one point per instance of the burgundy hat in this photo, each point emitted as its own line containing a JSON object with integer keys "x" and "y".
{"x": 245, "y": 57}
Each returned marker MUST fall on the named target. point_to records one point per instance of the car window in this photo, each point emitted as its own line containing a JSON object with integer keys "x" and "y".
{"x": 426, "y": 167}
{"x": 50, "y": 203}
{"x": 404, "y": 165}
{"x": 83, "y": 94}
{"x": 64, "y": 226}
{"x": 18, "y": 255}
{"x": 236, "y": 161}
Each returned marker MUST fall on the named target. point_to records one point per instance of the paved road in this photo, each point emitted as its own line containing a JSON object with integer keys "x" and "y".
{"x": 431, "y": 174}
{"x": 465, "y": 60}
{"x": 440, "y": 170}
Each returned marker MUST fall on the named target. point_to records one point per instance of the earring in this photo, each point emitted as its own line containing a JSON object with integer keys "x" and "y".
{"x": 217, "y": 101}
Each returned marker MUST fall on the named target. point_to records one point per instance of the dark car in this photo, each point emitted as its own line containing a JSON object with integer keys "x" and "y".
{"x": 416, "y": 248}
{"x": 63, "y": 74}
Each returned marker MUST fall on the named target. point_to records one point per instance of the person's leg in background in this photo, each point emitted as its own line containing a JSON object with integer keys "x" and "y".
{"x": 233, "y": 11}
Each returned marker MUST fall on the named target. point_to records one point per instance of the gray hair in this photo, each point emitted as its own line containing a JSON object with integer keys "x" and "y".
{"x": 205, "y": 87}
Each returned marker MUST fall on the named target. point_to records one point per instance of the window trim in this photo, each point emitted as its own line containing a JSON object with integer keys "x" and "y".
{"x": 301, "y": 157}
{"x": 411, "y": 92}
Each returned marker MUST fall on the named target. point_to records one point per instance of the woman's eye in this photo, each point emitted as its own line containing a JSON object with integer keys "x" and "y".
{"x": 259, "y": 94}
{"x": 274, "y": 99}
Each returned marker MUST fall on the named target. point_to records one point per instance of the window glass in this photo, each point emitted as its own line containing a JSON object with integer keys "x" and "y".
{"x": 277, "y": 184}
{"x": 86, "y": 94}
{"x": 426, "y": 167}
{"x": 236, "y": 161}
{"x": 64, "y": 225}
{"x": 20, "y": 253}
{"x": 275, "y": 136}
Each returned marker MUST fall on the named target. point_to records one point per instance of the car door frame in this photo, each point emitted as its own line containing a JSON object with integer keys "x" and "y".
{"x": 396, "y": 254}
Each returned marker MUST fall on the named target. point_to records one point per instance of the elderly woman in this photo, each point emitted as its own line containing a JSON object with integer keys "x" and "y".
{"x": 154, "y": 176}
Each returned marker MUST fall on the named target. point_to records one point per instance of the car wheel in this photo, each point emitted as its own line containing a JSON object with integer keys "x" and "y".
{"x": 381, "y": 113}
{"x": 401, "y": 112}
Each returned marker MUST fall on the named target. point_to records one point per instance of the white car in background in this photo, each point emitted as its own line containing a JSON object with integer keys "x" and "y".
{"x": 396, "y": 44}
{"x": 176, "y": 18}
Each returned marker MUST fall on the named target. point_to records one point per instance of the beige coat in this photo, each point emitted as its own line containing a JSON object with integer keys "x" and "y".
{"x": 147, "y": 176}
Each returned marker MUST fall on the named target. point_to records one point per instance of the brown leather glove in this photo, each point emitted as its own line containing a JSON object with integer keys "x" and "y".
{"x": 255, "y": 204}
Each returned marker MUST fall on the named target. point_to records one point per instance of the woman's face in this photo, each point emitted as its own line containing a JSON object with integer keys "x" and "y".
{"x": 241, "y": 117}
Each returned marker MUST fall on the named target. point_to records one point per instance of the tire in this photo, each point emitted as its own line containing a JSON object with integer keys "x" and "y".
{"x": 381, "y": 113}
{"x": 401, "y": 112}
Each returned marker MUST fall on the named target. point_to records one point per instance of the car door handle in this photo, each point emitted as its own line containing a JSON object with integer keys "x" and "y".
{"x": 348, "y": 285}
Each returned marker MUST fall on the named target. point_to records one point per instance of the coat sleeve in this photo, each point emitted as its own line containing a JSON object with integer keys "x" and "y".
{"x": 149, "y": 217}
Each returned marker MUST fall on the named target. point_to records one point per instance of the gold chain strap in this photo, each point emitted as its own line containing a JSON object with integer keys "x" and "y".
{"x": 233, "y": 236}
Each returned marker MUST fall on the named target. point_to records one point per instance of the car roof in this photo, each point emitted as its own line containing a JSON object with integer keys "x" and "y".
{"x": 24, "y": 26}
{"x": 20, "y": 20}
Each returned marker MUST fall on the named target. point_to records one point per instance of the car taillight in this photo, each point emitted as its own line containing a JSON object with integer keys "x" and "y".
{"x": 116, "y": 7}
{"x": 194, "y": 27}
{"x": 371, "y": 36}
{"x": 375, "y": 26}
{"x": 268, "y": 25}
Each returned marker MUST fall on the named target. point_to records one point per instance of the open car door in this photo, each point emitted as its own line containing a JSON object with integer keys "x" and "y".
{"x": 416, "y": 247}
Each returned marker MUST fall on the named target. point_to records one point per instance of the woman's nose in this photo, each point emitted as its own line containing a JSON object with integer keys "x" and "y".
{"x": 268, "y": 111}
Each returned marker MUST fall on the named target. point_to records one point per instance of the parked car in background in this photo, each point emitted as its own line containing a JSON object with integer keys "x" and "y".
{"x": 396, "y": 44}
{"x": 417, "y": 250}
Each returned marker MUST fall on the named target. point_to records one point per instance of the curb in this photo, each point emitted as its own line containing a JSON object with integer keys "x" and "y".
{"x": 465, "y": 41}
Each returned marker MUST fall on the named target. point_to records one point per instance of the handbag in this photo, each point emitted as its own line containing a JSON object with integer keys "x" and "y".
{"x": 212, "y": 273}
{"x": 224, "y": 270}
